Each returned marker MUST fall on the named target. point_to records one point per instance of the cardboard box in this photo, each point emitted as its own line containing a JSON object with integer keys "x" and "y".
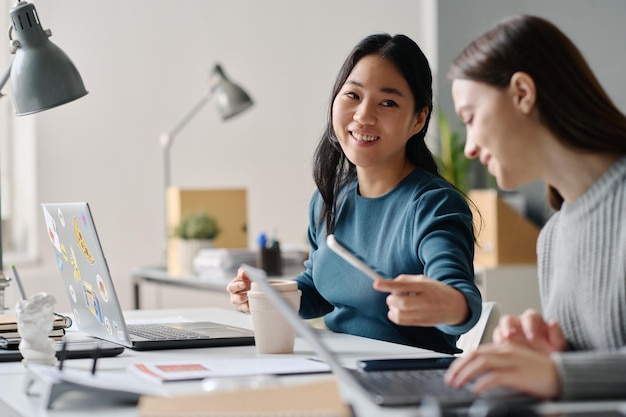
{"x": 228, "y": 206}
{"x": 505, "y": 237}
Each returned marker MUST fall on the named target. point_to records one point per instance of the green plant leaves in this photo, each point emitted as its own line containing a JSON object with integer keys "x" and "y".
{"x": 452, "y": 162}
{"x": 199, "y": 225}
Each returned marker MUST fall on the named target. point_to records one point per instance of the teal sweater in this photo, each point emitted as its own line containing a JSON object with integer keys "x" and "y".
{"x": 422, "y": 226}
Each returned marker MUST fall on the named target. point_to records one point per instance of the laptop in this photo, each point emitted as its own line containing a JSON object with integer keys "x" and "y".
{"x": 399, "y": 387}
{"x": 96, "y": 309}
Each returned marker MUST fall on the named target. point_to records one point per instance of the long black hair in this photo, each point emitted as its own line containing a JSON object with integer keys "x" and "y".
{"x": 331, "y": 167}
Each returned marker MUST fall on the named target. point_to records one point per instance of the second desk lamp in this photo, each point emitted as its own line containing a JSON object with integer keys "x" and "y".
{"x": 230, "y": 100}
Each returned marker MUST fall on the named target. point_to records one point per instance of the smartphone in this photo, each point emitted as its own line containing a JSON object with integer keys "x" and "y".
{"x": 405, "y": 364}
{"x": 351, "y": 258}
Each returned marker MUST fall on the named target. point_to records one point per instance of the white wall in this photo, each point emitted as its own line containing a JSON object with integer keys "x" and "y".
{"x": 145, "y": 63}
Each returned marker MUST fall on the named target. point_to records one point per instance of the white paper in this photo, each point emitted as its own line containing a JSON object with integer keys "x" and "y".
{"x": 198, "y": 370}
{"x": 99, "y": 380}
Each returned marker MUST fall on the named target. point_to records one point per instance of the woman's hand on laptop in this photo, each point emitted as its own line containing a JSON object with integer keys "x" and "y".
{"x": 238, "y": 289}
{"x": 506, "y": 366}
{"x": 530, "y": 330}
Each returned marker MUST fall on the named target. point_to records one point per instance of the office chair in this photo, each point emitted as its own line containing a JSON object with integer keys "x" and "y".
{"x": 483, "y": 330}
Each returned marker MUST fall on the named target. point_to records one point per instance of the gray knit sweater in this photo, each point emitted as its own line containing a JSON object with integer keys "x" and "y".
{"x": 582, "y": 276}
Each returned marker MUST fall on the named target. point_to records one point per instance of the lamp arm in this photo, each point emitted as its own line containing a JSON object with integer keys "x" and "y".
{"x": 166, "y": 140}
{"x": 13, "y": 45}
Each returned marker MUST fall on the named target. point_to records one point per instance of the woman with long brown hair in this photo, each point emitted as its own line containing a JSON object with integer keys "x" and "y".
{"x": 533, "y": 109}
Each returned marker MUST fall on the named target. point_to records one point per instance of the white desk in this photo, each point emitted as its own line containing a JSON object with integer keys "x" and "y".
{"x": 14, "y": 402}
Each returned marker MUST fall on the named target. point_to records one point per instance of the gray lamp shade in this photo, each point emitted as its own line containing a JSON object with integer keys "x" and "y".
{"x": 42, "y": 75}
{"x": 230, "y": 99}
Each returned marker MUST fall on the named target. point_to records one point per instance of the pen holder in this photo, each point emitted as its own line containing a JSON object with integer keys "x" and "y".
{"x": 270, "y": 260}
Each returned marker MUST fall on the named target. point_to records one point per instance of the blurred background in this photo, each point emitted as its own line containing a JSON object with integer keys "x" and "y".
{"x": 145, "y": 63}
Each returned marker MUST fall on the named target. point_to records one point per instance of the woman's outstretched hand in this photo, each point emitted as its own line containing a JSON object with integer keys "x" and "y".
{"x": 416, "y": 300}
{"x": 238, "y": 289}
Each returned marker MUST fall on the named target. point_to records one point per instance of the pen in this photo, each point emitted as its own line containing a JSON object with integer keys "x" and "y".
{"x": 20, "y": 287}
{"x": 62, "y": 355}
{"x": 262, "y": 240}
{"x": 95, "y": 356}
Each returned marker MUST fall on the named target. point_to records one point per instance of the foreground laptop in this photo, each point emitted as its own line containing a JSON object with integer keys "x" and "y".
{"x": 386, "y": 388}
{"x": 93, "y": 299}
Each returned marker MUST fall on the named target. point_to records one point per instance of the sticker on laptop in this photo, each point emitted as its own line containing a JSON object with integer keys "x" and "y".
{"x": 51, "y": 227}
{"x": 72, "y": 294}
{"x": 118, "y": 331}
{"x": 74, "y": 264}
{"x": 107, "y": 325}
{"x": 59, "y": 261}
{"x": 61, "y": 217}
{"x": 81, "y": 242}
{"x": 92, "y": 301}
{"x": 102, "y": 288}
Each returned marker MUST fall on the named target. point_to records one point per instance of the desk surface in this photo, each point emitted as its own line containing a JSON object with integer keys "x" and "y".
{"x": 159, "y": 274}
{"x": 216, "y": 282}
{"x": 14, "y": 402}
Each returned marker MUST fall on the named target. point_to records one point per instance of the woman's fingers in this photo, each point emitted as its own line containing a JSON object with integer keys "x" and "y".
{"x": 506, "y": 366}
{"x": 238, "y": 290}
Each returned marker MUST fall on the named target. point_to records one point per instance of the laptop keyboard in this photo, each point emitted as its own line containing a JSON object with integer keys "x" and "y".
{"x": 154, "y": 331}
{"x": 407, "y": 384}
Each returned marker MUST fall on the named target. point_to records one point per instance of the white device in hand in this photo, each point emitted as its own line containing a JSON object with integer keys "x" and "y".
{"x": 352, "y": 259}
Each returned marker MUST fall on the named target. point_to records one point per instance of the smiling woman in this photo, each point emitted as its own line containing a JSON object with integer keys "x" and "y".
{"x": 380, "y": 192}
{"x": 374, "y": 117}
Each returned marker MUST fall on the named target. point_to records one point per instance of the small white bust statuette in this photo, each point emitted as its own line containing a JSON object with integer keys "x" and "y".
{"x": 34, "y": 321}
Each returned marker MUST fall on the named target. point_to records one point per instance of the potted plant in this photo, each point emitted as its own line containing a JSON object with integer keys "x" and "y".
{"x": 197, "y": 226}
{"x": 195, "y": 231}
{"x": 451, "y": 159}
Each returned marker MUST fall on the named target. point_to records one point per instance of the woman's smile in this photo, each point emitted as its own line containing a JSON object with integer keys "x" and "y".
{"x": 361, "y": 137}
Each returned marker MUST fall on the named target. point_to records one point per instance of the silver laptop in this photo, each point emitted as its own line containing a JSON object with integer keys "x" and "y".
{"x": 398, "y": 387}
{"x": 93, "y": 299}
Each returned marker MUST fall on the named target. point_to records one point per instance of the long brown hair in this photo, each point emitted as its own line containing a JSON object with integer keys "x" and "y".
{"x": 570, "y": 99}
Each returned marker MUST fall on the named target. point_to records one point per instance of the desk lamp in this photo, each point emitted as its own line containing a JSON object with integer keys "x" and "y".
{"x": 42, "y": 76}
{"x": 230, "y": 100}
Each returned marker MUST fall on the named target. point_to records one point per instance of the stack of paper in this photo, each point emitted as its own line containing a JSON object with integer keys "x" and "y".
{"x": 221, "y": 263}
{"x": 211, "y": 368}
